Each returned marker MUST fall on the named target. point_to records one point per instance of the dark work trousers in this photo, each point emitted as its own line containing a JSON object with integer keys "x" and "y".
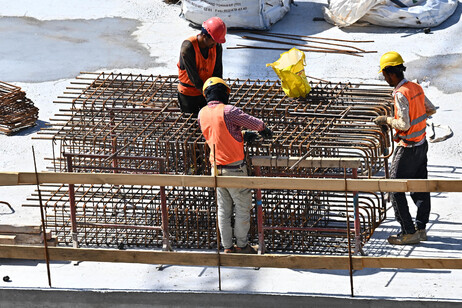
{"x": 410, "y": 163}
{"x": 191, "y": 104}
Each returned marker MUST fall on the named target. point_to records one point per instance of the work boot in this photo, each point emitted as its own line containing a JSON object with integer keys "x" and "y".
{"x": 232, "y": 249}
{"x": 422, "y": 234}
{"x": 404, "y": 239}
{"x": 247, "y": 249}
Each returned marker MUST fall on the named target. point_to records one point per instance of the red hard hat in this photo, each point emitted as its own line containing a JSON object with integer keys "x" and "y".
{"x": 216, "y": 28}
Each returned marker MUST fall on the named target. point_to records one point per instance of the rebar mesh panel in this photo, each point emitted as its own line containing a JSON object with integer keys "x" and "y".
{"x": 117, "y": 121}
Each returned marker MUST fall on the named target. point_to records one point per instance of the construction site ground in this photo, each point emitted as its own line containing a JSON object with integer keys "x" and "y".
{"x": 46, "y": 44}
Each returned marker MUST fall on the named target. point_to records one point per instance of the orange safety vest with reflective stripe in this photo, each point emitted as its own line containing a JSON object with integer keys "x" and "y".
{"x": 417, "y": 114}
{"x": 204, "y": 67}
{"x": 227, "y": 149}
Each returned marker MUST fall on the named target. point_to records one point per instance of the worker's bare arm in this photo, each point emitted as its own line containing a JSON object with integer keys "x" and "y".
{"x": 429, "y": 107}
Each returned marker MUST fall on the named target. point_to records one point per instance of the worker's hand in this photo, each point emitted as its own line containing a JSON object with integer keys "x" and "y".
{"x": 430, "y": 112}
{"x": 250, "y": 137}
{"x": 266, "y": 133}
{"x": 381, "y": 120}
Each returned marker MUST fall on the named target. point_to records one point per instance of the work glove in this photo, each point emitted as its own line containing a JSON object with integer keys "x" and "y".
{"x": 266, "y": 133}
{"x": 250, "y": 137}
{"x": 381, "y": 120}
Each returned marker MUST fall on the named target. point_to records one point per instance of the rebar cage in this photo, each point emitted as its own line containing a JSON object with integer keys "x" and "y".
{"x": 125, "y": 123}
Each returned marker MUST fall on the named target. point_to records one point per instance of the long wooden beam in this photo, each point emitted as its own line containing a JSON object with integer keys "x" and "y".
{"x": 366, "y": 185}
{"x": 235, "y": 260}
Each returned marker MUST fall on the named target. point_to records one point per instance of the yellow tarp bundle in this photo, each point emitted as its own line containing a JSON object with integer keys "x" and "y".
{"x": 290, "y": 68}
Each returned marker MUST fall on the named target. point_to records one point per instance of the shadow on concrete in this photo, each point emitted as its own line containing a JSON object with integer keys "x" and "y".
{"x": 21, "y": 262}
{"x": 76, "y": 45}
{"x": 437, "y": 170}
{"x": 32, "y": 130}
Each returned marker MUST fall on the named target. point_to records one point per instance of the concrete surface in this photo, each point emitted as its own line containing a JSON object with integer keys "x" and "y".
{"x": 44, "y": 46}
{"x": 26, "y": 298}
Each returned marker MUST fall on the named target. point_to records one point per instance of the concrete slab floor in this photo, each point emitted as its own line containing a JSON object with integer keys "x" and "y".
{"x": 154, "y": 32}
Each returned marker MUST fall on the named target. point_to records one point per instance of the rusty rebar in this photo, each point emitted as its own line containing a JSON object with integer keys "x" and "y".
{"x": 116, "y": 122}
{"x": 16, "y": 110}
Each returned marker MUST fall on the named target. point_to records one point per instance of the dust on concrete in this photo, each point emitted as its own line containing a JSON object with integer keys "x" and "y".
{"x": 441, "y": 71}
{"x": 35, "y": 51}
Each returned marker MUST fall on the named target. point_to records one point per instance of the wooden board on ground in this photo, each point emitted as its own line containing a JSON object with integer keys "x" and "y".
{"x": 7, "y": 239}
{"x": 19, "y": 229}
{"x": 211, "y": 259}
{"x": 24, "y": 235}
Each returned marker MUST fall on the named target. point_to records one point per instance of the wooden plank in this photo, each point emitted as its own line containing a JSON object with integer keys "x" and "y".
{"x": 409, "y": 262}
{"x": 309, "y": 162}
{"x": 174, "y": 258}
{"x": 237, "y": 260}
{"x": 19, "y": 229}
{"x": 372, "y": 185}
{"x": 52, "y": 242}
{"x": 9, "y": 178}
{"x": 30, "y": 239}
{"x": 7, "y": 239}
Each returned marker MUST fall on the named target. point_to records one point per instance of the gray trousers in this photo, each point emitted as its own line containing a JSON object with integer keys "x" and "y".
{"x": 237, "y": 201}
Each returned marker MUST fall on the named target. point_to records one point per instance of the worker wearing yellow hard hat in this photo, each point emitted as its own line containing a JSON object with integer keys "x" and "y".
{"x": 391, "y": 58}
{"x": 222, "y": 124}
{"x": 215, "y": 81}
{"x": 411, "y": 109}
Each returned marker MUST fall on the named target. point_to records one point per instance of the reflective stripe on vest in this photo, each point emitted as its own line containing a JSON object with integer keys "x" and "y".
{"x": 204, "y": 67}
{"x": 417, "y": 114}
{"x": 227, "y": 149}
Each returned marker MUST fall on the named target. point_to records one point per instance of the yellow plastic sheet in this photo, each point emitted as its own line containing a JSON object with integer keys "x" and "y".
{"x": 290, "y": 68}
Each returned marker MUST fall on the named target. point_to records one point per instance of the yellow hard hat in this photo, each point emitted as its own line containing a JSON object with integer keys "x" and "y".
{"x": 391, "y": 58}
{"x": 213, "y": 81}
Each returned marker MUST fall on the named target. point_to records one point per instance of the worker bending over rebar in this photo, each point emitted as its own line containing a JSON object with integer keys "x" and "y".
{"x": 200, "y": 59}
{"x": 221, "y": 125}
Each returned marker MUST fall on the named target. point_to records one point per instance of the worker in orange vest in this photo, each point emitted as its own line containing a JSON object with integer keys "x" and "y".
{"x": 221, "y": 125}
{"x": 200, "y": 59}
{"x": 411, "y": 109}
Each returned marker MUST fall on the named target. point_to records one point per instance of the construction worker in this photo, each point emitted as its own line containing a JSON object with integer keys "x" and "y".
{"x": 221, "y": 125}
{"x": 200, "y": 59}
{"x": 411, "y": 109}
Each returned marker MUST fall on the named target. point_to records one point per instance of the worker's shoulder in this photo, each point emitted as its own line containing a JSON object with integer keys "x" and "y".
{"x": 187, "y": 46}
{"x": 232, "y": 108}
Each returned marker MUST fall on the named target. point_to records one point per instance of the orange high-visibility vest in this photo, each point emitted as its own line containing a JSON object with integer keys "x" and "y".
{"x": 204, "y": 67}
{"x": 417, "y": 114}
{"x": 227, "y": 149}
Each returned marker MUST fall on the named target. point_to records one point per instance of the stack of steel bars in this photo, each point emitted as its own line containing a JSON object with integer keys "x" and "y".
{"x": 284, "y": 41}
{"x": 16, "y": 110}
{"x": 131, "y": 123}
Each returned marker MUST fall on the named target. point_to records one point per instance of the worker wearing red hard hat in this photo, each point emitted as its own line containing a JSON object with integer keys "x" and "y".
{"x": 200, "y": 59}
{"x": 411, "y": 109}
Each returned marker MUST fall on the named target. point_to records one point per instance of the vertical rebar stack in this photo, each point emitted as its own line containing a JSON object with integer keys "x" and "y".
{"x": 16, "y": 110}
{"x": 127, "y": 123}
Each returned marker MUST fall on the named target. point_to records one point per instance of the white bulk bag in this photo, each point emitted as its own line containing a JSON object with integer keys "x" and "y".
{"x": 344, "y": 13}
{"x": 430, "y": 13}
{"x": 416, "y": 14}
{"x": 255, "y": 14}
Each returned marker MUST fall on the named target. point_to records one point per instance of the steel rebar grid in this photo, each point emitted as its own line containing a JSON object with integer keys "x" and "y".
{"x": 192, "y": 218}
{"x": 345, "y": 130}
{"x": 136, "y": 115}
